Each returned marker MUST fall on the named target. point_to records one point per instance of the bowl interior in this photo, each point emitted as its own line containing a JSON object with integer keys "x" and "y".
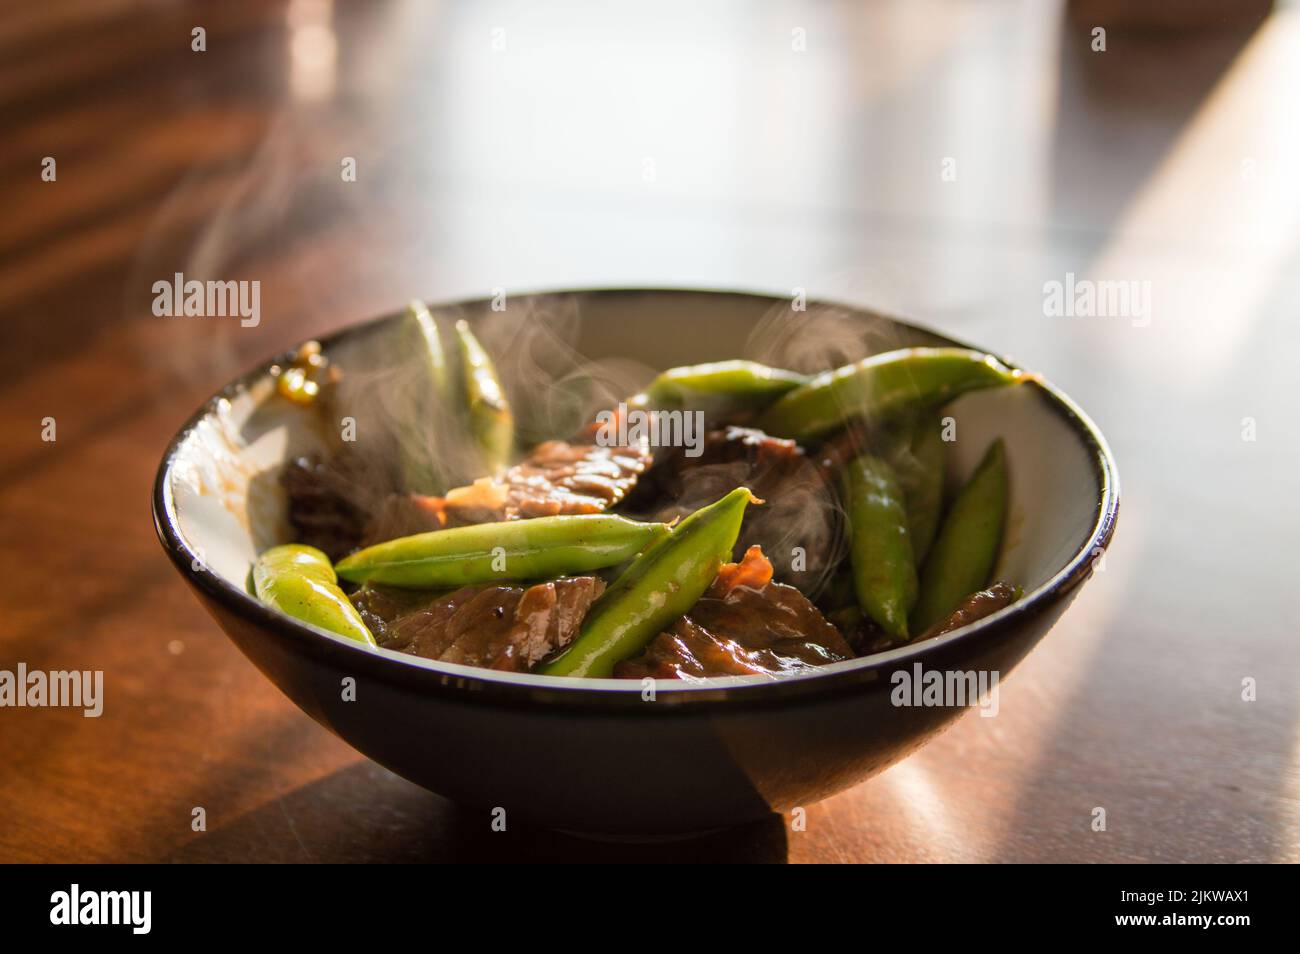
{"x": 562, "y": 356}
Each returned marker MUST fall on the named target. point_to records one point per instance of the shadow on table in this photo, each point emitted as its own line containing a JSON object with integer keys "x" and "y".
{"x": 1119, "y": 112}
{"x": 400, "y": 822}
{"x": 1120, "y": 115}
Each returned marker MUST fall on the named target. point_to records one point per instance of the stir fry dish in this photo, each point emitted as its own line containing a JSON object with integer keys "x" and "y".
{"x": 810, "y": 522}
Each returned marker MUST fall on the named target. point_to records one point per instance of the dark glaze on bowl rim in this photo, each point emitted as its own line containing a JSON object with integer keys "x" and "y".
{"x": 526, "y": 690}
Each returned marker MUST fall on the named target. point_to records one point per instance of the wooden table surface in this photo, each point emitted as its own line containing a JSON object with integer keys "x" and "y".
{"x": 766, "y": 146}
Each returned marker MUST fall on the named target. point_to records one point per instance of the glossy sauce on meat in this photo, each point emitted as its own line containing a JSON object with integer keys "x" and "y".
{"x": 745, "y": 624}
{"x": 557, "y": 477}
{"x": 801, "y": 509}
{"x": 507, "y": 627}
{"x": 979, "y": 604}
{"x": 338, "y": 505}
{"x": 328, "y": 502}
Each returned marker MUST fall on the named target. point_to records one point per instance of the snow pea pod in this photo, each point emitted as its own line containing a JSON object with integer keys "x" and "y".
{"x": 299, "y": 581}
{"x": 919, "y": 463}
{"x": 417, "y": 335}
{"x": 661, "y": 585}
{"x": 882, "y": 385}
{"x": 722, "y": 387}
{"x": 417, "y": 338}
{"x": 399, "y": 394}
{"x": 536, "y": 549}
{"x": 880, "y": 548}
{"x": 490, "y": 420}
{"x": 961, "y": 559}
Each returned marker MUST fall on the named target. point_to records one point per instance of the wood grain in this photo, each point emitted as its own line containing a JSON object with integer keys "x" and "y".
{"x": 773, "y": 169}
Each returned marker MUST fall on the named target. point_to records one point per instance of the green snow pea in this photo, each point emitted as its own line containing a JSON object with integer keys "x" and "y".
{"x": 880, "y": 548}
{"x": 721, "y": 387}
{"x": 661, "y": 585}
{"x": 962, "y": 557}
{"x": 417, "y": 335}
{"x": 882, "y": 385}
{"x": 299, "y": 581}
{"x": 536, "y": 549}
{"x": 491, "y": 423}
{"x": 919, "y": 460}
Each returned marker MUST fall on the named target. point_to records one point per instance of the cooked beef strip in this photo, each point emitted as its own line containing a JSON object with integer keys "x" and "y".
{"x": 801, "y": 509}
{"x": 560, "y": 477}
{"x": 979, "y": 604}
{"x": 557, "y": 477}
{"x": 744, "y": 624}
{"x": 727, "y": 452}
{"x": 341, "y": 504}
{"x": 328, "y": 501}
{"x": 506, "y": 626}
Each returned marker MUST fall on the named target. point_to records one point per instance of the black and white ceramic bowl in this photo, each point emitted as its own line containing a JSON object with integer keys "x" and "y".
{"x": 595, "y": 755}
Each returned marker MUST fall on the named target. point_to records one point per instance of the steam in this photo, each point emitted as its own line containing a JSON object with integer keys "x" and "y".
{"x": 268, "y": 199}
{"x": 393, "y": 434}
{"x": 822, "y": 337}
{"x": 798, "y": 525}
{"x": 555, "y": 390}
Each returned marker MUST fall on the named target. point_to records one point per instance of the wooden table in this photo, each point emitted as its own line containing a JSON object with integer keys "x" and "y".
{"x": 733, "y": 145}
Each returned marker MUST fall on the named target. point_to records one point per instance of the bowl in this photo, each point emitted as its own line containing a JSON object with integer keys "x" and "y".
{"x": 603, "y": 756}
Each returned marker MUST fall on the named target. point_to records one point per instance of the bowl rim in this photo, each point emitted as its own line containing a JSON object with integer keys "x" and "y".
{"x": 529, "y": 690}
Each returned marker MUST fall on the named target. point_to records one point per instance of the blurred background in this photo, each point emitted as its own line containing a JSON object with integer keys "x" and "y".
{"x": 941, "y": 160}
